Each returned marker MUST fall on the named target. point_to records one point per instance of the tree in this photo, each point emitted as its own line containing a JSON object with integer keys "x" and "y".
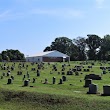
{"x": 48, "y": 48}
{"x": 80, "y": 42}
{"x": 12, "y": 55}
{"x": 93, "y": 43}
{"x": 104, "y": 53}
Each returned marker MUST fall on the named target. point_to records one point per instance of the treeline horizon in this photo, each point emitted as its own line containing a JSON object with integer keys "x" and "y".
{"x": 93, "y": 47}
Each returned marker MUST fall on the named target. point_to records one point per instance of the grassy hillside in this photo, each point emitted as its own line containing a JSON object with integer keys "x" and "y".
{"x": 38, "y": 96}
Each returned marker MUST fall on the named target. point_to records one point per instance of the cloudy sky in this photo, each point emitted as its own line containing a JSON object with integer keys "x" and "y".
{"x": 31, "y": 25}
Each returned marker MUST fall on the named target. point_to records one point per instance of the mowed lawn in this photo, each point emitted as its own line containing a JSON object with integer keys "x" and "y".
{"x": 69, "y": 95}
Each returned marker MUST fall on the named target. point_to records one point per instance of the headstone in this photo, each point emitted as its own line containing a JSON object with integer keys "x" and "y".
{"x": 38, "y": 74}
{"x": 46, "y": 81}
{"x": 76, "y": 73}
{"x": 26, "y": 83}
{"x": 24, "y": 76}
{"x": 58, "y": 73}
{"x": 33, "y": 80}
{"x": 64, "y": 78}
{"x": 63, "y": 73}
{"x": 54, "y": 80}
{"x": 9, "y": 81}
{"x": 8, "y": 74}
{"x": 106, "y": 90}
{"x": 1, "y": 77}
{"x": 104, "y": 72}
{"x": 12, "y": 77}
{"x": 87, "y": 82}
{"x": 61, "y": 81}
{"x": 3, "y": 74}
{"x": 93, "y": 88}
{"x": 93, "y": 77}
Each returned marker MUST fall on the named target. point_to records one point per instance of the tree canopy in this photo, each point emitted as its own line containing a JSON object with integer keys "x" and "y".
{"x": 11, "y": 55}
{"x": 91, "y": 47}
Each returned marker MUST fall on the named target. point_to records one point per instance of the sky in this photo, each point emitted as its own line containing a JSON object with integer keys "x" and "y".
{"x": 31, "y": 25}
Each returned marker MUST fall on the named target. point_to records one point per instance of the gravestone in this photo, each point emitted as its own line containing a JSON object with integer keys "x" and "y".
{"x": 12, "y": 77}
{"x": 76, "y": 73}
{"x": 87, "y": 82}
{"x": 3, "y": 74}
{"x": 33, "y": 80}
{"x": 58, "y": 73}
{"x": 54, "y": 80}
{"x": 63, "y": 73}
{"x": 26, "y": 83}
{"x": 61, "y": 81}
{"x": 104, "y": 72}
{"x": 9, "y": 81}
{"x": 8, "y": 74}
{"x": 38, "y": 74}
{"x": 93, "y": 77}
{"x": 1, "y": 77}
{"x": 93, "y": 89}
{"x": 64, "y": 78}
{"x": 46, "y": 81}
{"x": 106, "y": 90}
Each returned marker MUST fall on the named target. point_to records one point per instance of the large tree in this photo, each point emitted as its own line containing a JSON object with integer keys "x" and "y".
{"x": 93, "y": 43}
{"x": 80, "y": 42}
{"x": 104, "y": 52}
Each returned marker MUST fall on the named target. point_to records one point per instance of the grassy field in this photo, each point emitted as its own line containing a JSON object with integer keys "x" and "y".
{"x": 67, "y": 96}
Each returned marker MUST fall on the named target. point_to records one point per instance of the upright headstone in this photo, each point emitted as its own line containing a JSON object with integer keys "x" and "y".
{"x": 46, "y": 81}
{"x": 93, "y": 89}
{"x": 33, "y": 80}
{"x": 1, "y": 77}
{"x": 54, "y": 80}
{"x": 3, "y": 74}
{"x": 9, "y": 81}
{"x": 38, "y": 74}
{"x": 12, "y": 77}
{"x": 61, "y": 81}
{"x": 64, "y": 78}
{"x": 106, "y": 90}
{"x": 26, "y": 83}
{"x": 87, "y": 82}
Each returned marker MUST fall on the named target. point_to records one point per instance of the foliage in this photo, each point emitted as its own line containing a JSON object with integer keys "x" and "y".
{"x": 93, "y": 47}
{"x": 12, "y": 55}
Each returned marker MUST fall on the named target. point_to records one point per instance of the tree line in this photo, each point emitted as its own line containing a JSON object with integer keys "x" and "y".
{"x": 11, "y": 55}
{"x": 93, "y": 47}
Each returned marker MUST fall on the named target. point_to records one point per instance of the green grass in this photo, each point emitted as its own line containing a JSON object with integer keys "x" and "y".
{"x": 53, "y": 97}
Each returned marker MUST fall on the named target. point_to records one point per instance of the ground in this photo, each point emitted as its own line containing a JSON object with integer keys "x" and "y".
{"x": 38, "y": 96}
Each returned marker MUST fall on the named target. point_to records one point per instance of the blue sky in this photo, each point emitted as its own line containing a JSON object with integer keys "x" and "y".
{"x": 31, "y": 25}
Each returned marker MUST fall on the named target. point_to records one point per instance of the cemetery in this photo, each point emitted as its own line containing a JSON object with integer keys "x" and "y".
{"x": 69, "y": 81}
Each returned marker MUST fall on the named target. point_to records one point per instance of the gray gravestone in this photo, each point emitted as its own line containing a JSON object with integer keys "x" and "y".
{"x": 26, "y": 83}
{"x": 54, "y": 80}
{"x": 87, "y": 82}
{"x": 9, "y": 81}
{"x": 93, "y": 88}
{"x": 61, "y": 81}
{"x": 106, "y": 90}
{"x": 64, "y": 78}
